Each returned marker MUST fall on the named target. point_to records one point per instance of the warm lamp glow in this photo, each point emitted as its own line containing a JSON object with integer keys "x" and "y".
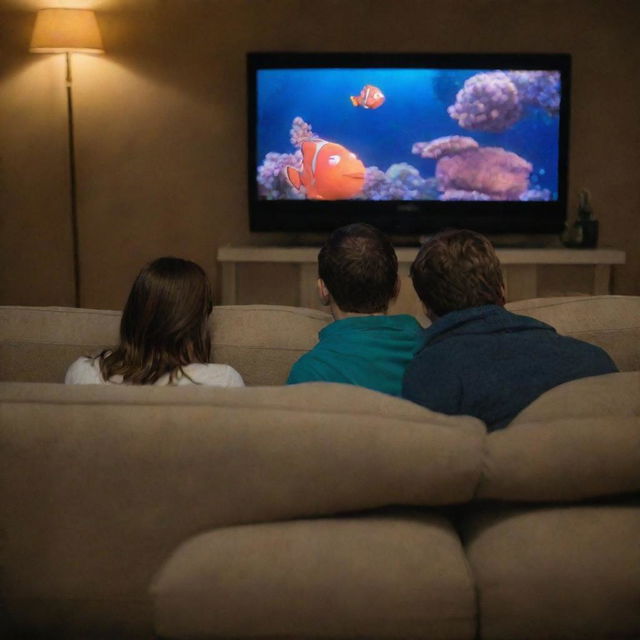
{"x": 68, "y": 31}
{"x": 65, "y": 30}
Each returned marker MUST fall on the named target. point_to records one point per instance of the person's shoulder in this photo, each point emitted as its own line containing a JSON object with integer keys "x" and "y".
{"x": 430, "y": 358}
{"x": 407, "y": 320}
{"x": 593, "y": 353}
{"x": 435, "y": 351}
{"x": 84, "y": 370}
{"x": 210, "y": 374}
{"x": 307, "y": 368}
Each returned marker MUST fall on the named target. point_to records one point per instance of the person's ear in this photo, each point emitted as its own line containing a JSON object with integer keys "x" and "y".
{"x": 323, "y": 293}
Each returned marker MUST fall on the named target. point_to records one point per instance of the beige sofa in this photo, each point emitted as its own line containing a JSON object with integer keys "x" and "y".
{"x": 313, "y": 511}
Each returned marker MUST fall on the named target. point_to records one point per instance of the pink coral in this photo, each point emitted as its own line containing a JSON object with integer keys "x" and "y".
{"x": 487, "y": 102}
{"x": 271, "y": 182}
{"x": 500, "y": 174}
{"x": 538, "y": 88}
{"x": 447, "y": 145}
{"x": 300, "y": 131}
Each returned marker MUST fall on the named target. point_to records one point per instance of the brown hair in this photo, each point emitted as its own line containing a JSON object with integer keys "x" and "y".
{"x": 457, "y": 269}
{"x": 359, "y": 268}
{"x": 164, "y": 324}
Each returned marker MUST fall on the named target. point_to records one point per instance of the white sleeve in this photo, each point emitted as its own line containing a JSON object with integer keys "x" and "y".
{"x": 234, "y": 378}
{"x": 211, "y": 375}
{"x": 83, "y": 371}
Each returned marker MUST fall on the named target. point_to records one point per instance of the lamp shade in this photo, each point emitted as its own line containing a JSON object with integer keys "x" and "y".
{"x": 61, "y": 30}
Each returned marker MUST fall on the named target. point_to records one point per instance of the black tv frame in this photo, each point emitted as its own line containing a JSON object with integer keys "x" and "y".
{"x": 398, "y": 217}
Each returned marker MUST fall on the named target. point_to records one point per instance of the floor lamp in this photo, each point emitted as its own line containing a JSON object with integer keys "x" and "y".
{"x": 67, "y": 31}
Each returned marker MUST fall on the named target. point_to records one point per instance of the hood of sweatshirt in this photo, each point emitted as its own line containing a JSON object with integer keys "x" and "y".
{"x": 383, "y": 334}
{"x": 485, "y": 320}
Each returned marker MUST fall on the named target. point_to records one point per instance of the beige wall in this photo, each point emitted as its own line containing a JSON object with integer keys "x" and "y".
{"x": 160, "y": 124}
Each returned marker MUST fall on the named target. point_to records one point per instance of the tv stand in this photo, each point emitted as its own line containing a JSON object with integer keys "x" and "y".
{"x": 521, "y": 269}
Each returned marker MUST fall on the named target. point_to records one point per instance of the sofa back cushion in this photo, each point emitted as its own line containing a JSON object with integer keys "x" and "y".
{"x": 580, "y": 440}
{"x": 37, "y": 344}
{"x": 611, "y": 322}
{"x": 99, "y": 484}
{"x": 263, "y": 341}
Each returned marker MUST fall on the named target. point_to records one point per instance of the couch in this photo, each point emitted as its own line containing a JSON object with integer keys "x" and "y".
{"x": 313, "y": 511}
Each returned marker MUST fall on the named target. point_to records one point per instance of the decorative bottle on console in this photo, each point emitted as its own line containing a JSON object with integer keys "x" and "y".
{"x": 586, "y": 222}
{"x": 584, "y": 232}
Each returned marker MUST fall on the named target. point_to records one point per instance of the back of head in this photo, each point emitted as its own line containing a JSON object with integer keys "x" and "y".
{"x": 359, "y": 267}
{"x": 457, "y": 269}
{"x": 164, "y": 323}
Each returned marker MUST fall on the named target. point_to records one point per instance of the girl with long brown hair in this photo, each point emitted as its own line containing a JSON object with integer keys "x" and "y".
{"x": 164, "y": 333}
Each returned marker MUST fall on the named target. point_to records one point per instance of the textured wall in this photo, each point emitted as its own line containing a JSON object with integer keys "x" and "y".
{"x": 161, "y": 134}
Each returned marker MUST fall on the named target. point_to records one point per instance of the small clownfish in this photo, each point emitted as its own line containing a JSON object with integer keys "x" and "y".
{"x": 370, "y": 97}
{"x": 329, "y": 171}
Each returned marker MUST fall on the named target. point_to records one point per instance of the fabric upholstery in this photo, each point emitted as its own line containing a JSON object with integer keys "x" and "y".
{"x": 99, "y": 484}
{"x": 59, "y": 325}
{"x": 41, "y": 362}
{"x": 37, "y": 344}
{"x": 394, "y": 576}
{"x": 579, "y": 440}
{"x": 261, "y": 341}
{"x": 312, "y": 396}
{"x": 557, "y": 572}
{"x": 611, "y": 322}
{"x": 616, "y": 394}
{"x": 563, "y": 459}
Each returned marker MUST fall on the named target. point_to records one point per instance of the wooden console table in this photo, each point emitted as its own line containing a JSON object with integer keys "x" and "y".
{"x": 520, "y": 269}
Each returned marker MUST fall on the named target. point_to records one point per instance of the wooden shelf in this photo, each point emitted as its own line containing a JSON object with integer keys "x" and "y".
{"x": 520, "y": 267}
{"x": 407, "y": 254}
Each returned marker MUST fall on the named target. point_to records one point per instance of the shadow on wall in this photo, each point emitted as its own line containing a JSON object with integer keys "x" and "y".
{"x": 14, "y": 45}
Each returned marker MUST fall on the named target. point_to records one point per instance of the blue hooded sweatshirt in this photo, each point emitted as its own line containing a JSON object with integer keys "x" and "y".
{"x": 489, "y": 363}
{"x": 368, "y": 351}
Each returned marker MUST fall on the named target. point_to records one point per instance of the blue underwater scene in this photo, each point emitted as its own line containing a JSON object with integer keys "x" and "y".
{"x": 417, "y": 134}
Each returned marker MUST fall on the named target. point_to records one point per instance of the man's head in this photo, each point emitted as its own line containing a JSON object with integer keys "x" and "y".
{"x": 358, "y": 268}
{"x": 457, "y": 269}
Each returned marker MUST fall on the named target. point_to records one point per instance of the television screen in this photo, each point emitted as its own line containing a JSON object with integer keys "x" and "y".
{"x": 409, "y": 142}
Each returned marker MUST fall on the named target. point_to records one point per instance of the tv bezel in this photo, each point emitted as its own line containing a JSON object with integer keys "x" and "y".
{"x": 400, "y": 217}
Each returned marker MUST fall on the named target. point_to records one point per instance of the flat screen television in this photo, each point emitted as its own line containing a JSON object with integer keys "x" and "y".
{"x": 409, "y": 142}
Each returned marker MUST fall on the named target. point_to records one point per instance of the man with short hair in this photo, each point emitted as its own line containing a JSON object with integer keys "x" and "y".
{"x": 358, "y": 279}
{"x": 477, "y": 358}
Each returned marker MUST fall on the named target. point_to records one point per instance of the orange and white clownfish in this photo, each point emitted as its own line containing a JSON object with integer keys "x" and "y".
{"x": 370, "y": 97}
{"x": 329, "y": 171}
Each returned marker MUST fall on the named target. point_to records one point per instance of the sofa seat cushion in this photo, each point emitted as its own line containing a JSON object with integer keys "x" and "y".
{"x": 557, "y": 573}
{"x": 611, "y": 322}
{"x": 375, "y": 576}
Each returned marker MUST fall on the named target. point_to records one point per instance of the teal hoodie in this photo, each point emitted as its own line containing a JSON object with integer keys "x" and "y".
{"x": 368, "y": 351}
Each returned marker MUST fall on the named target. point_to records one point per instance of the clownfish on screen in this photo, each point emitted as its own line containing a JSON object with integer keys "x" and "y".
{"x": 370, "y": 97}
{"x": 329, "y": 171}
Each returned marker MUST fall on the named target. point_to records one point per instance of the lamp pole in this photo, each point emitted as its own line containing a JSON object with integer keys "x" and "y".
{"x": 59, "y": 30}
{"x": 72, "y": 182}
